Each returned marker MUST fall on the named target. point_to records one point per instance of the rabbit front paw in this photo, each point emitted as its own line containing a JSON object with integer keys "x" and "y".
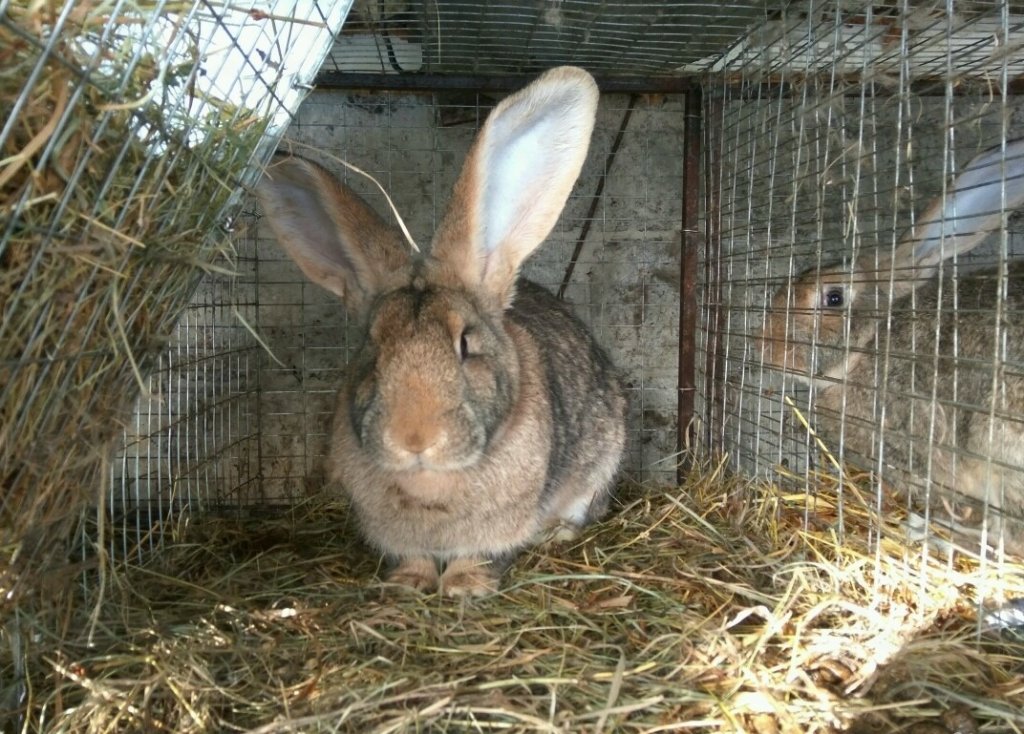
{"x": 415, "y": 573}
{"x": 563, "y": 531}
{"x": 469, "y": 577}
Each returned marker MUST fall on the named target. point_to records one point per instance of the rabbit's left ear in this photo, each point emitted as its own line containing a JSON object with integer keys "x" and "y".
{"x": 991, "y": 184}
{"x": 516, "y": 180}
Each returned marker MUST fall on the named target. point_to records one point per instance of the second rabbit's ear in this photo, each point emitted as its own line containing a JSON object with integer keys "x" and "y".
{"x": 334, "y": 236}
{"x": 516, "y": 180}
{"x": 990, "y": 185}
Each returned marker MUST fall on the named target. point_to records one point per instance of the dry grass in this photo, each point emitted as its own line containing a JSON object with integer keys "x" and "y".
{"x": 109, "y": 206}
{"x": 707, "y": 608}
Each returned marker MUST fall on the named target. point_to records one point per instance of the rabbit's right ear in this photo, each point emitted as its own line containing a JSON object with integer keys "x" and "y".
{"x": 516, "y": 180}
{"x": 334, "y": 236}
{"x": 972, "y": 208}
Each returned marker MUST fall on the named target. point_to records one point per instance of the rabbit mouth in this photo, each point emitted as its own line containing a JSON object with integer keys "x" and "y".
{"x": 420, "y": 464}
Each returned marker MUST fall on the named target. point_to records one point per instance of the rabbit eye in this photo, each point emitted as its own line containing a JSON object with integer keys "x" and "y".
{"x": 471, "y": 341}
{"x": 469, "y": 344}
{"x": 833, "y": 298}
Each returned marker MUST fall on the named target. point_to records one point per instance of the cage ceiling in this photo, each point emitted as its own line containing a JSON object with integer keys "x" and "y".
{"x": 879, "y": 41}
{"x": 526, "y": 37}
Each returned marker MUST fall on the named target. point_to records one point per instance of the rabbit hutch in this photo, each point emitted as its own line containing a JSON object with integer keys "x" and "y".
{"x": 795, "y": 234}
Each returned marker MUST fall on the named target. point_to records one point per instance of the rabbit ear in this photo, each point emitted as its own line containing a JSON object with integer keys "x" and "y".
{"x": 334, "y": 236}
{"x": 516, "y": 180}
{"x": 971, "y": 209}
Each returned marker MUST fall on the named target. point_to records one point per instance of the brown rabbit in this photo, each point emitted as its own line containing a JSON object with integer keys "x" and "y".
{"x": 971, "y": 446}
{"x": 478, "y": 414}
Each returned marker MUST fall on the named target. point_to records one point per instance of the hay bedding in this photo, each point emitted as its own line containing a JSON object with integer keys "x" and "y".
{"x": 682, "y": 611}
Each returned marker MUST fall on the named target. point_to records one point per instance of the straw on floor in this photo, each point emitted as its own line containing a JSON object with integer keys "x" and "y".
{"x": 723, "y": 605}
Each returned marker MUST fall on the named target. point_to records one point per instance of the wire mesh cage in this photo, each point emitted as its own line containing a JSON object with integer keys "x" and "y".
{"x": 836, "y": 347}
{"x": 821, "y": 500}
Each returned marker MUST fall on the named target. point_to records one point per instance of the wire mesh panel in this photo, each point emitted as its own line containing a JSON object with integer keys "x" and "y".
{"x": 192, "y": 440}
{"x": 848, "y": 334}
{"x": 130, "y": 130}
{"x": 637, "y": 38}
{"x": 614, "y": 255}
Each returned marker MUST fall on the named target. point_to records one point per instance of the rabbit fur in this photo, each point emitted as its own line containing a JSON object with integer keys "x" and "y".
{"x": 478, "y": 415}
{"x": 976, "y": 465}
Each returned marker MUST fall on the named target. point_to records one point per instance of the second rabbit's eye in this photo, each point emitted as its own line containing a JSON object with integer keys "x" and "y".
{"x": 463, "y": 346}
{"x": 833, "y": 298}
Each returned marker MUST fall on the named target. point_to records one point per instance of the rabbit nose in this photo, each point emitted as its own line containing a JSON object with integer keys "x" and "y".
{"x": 417, "y": 439}
{"x": 414, "y": 421}
{"x": 413, "y": 433}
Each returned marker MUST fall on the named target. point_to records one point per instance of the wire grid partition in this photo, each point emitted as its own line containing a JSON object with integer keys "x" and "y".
{"x": 130, "y": 131}
{"x": 482, "y": 38}
{"x": 613, "y": 254}
{"x": 810, "y": 171}
{"x": 192, "y": 440}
